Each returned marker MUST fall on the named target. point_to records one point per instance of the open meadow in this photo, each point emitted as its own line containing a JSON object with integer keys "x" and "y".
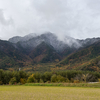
{"x": 48, "y": 93}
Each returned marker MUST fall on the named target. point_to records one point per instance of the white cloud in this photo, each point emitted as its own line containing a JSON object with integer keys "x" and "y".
{"x": 77, "y": 18}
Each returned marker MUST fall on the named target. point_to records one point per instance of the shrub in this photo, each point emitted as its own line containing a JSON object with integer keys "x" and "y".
{"x": 91, "y": 78}
{"x": 99, "y": 80}
{"x": 54, "y": 78}
{"x": 41, "y": 81}
{"x": 72, "y": 80}
{"x": 67, "y": 80}
{"x": 60, "y": 78}
{"x": 22, "y": 81}
{"x": 31, "y": 79}
{"x": 37, "y": 77}
{"x": 76, "y": 81}
{"x": 13, "y": 80}
{"x": 1, "y": 83}
{"x": 78, "y": 77}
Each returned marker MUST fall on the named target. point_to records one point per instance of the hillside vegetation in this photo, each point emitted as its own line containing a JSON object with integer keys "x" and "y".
{"x": 47, "y": 53}
{"x": 85, "y": 59}
{"x": 21, "y": 77}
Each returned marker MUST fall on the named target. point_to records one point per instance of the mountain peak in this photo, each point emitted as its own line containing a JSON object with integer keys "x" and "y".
{"x": 16, "y": 39}
{"x": 59, "y": 43}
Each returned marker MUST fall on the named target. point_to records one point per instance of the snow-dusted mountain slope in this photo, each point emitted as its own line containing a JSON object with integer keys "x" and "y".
{"x": 19, "y": 38}
{"x": 30, "y": 41}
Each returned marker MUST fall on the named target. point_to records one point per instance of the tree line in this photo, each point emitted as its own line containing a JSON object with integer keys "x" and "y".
{"x": 73, "y": 76}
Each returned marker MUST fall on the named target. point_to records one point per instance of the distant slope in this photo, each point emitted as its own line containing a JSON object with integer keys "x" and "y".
{"x": 81, "y": 58}
{"x": 48, "y": 49}
{"x": 10, "y": 56}
{"x": 44, "y": 53}
{"x": 65, "y": 46}
{"x": 49, "y": 38}
{"x": 8, "y": 49}
{"x": 16, "y": 39}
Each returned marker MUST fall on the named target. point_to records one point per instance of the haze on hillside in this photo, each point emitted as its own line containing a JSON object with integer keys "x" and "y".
{"x": 75, "y": 18}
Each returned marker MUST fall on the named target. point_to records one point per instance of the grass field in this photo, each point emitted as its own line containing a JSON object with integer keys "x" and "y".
{"x": 92, "y": 85}
{"x": 48, "y": 93}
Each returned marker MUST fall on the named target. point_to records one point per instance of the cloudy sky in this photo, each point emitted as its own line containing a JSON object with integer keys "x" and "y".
{"x": 76, "y": 18}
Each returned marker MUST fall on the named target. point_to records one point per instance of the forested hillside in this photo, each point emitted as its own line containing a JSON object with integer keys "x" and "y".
{"x": 47, "y": 53}
{"x": 87, "y": 58}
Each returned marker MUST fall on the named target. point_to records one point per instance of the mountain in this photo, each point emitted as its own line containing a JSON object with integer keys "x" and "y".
{"x": 19, "y": 38}
{"x": 66, "y": 44}
{"x": 49, "y": 38}
{"x": 10, "y": 56}
{"x": 87, "y": 58}
{"x": 88, "y": 41}
{"x": 8, "y": 49}
{"x": 44, "y": 53}
{"x": 48, "y": 48}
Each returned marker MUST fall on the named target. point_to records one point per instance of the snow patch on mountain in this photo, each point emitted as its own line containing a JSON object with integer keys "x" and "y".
{"x": 19, "y": 38}
{"x": 59, "y": 44}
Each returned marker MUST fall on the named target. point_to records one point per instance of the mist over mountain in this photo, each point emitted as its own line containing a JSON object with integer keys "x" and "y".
{"x": 32, "y": 40}
{"x": 32, "y": 44}
{"x": 87, "y": 58}
{"x": 46, "y": 48}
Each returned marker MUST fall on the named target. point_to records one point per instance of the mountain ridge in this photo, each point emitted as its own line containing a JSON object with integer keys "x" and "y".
{"x": 48, "y": 48}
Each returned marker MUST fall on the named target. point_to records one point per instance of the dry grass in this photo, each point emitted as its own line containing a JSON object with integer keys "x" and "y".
{"x": 48, "y": 93}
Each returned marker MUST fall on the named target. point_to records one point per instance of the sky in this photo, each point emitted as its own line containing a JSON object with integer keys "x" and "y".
{"x": 79, "y": 19}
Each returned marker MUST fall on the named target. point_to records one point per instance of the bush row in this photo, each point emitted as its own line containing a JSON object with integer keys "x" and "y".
{"x": 21, "y": 77}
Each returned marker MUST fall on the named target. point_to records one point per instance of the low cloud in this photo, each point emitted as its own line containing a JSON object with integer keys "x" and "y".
{"x": 76, "y": 18}
{"x": 5, "y": 25}
{"x": 3, "y": 20}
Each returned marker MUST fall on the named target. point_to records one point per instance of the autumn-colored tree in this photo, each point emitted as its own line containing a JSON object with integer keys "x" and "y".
{"x": 22, "y": 81}
{"x": 31, "y": 79}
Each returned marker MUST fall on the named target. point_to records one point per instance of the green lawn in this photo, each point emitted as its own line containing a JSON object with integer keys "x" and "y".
{"x": 48, "y": 93}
